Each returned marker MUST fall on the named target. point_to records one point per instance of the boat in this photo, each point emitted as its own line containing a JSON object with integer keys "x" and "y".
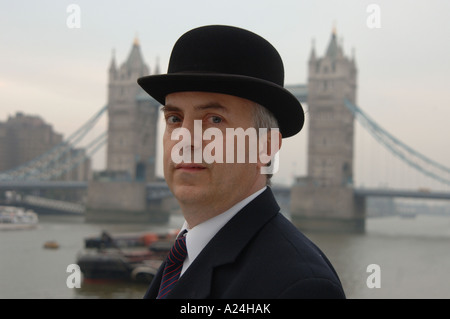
{"x": 17, "y": 218}
{"x": 51, "y": 244}
{"x": 125, "y": 240}
{"x": 125, "y": 257}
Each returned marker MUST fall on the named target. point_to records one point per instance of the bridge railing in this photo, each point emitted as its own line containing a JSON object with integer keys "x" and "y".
{"x": 408, "y": 155}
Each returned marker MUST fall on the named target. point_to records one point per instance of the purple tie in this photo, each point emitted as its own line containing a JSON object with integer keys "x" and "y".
{"x": 174, "y": 264}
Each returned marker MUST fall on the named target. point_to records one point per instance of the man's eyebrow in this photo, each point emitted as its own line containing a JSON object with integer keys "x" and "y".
{"x": 207, "y": 106}
{"x": 170, "y": 108}
{"x": 212, "y": 105}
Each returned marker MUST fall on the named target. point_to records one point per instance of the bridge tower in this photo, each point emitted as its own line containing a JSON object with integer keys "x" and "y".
{"x": 324, "y": 199}
{"x": 132, "y": 121}
{"x": 120, "y": 194}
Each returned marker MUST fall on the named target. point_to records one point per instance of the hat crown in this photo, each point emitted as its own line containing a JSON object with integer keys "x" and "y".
{"x": 226, "y": 50}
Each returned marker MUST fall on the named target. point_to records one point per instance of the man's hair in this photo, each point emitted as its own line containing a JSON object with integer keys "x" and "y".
{"x": 263, "y": 118}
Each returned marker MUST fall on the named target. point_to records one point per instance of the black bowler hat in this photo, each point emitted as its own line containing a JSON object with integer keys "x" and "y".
{"x": 229, "y": 60}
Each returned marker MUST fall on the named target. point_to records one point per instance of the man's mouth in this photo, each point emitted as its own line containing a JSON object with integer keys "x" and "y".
{"x": 190, "y": 167}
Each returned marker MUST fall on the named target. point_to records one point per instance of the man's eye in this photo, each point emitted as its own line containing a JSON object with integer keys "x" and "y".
{"x": 215, "y": 119}
{"x": 172, "y": 119}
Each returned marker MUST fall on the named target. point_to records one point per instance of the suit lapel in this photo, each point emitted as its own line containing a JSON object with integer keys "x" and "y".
{"x": 225, "y": 247}
{"x": 153, "y": 289}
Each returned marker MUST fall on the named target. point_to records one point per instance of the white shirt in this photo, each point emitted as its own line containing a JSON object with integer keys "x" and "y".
{"x": 199, "y": 236}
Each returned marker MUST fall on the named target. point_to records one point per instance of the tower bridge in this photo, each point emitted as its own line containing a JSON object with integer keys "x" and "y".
{"x": 325, "y": 199}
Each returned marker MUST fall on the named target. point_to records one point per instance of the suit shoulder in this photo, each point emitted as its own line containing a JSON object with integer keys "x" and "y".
{"x": 298, "y": 253}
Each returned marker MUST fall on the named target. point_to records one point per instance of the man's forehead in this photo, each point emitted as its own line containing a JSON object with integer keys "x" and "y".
{"x": 200, "y": 101}
{"x": 197, "y": 107}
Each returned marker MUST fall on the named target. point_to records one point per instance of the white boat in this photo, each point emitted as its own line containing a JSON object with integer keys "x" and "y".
{"x": 12, "y": 218}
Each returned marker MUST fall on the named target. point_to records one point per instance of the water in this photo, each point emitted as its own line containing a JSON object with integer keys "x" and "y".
{"x": 413, "y": 255}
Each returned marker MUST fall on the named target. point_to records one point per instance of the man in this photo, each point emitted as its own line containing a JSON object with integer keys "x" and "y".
{"x": 237, "y": 244}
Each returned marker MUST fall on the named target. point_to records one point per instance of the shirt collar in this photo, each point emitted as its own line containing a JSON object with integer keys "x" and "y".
{"x": 199, "y": 236}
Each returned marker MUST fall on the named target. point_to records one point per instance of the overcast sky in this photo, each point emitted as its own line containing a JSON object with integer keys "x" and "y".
{"x": 60, "y": 73}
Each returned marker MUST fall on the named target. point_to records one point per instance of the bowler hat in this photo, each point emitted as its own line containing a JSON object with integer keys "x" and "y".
{"x": 229, "y": 60}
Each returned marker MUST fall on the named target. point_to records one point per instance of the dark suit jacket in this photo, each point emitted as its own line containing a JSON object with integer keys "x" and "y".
{"x": 257, "y": 254}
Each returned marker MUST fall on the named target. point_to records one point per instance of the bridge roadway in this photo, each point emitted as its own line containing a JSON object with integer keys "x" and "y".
{"x": 160, "y": 189}
{"x": 155, "y": 190}
{"x": 29, "y": 185}
{"x": 421, "y": 194}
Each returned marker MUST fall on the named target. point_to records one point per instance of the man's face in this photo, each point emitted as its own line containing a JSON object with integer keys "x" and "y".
{"x": 215, "y": 185}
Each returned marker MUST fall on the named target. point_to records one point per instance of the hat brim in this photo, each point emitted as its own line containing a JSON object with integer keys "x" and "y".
{"x": 283, "y": 104}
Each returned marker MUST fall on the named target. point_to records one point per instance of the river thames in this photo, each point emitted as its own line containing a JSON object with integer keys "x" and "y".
{"x": 413, "y": 255}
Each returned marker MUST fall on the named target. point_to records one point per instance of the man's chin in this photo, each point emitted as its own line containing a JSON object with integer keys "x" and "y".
{"x": 188, "y": 193}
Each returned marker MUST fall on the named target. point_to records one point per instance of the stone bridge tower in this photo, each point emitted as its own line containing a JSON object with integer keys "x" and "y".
{"x": 132, "y": 120}
{"x": 324, "y": 200}
{"x": 120, "y": 194}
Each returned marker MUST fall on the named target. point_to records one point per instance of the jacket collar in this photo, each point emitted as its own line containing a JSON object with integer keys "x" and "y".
{"x": 225, "y": 246}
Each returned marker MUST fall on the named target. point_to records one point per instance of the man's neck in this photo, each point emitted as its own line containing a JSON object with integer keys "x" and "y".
{"x": 198, "y": 213}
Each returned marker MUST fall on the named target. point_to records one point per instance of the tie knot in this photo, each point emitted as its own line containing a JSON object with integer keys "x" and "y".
{"x": 178, "y": 252}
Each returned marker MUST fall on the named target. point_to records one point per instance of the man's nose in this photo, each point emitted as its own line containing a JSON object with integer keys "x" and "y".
{"x": 195, "y": 129}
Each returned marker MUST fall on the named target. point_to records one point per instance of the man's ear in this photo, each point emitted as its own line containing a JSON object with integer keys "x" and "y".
{"x": 269, "y": 145}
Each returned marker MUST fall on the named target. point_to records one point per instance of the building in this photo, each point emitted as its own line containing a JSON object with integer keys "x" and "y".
{"x": 332, "y": 79}
{"x": 324, "y": 199}
{"x": 78, "y": 172}
{"x": 24, "y": 138}
{"x": 132, "y": 120}
{"x": 119, "y": 194}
